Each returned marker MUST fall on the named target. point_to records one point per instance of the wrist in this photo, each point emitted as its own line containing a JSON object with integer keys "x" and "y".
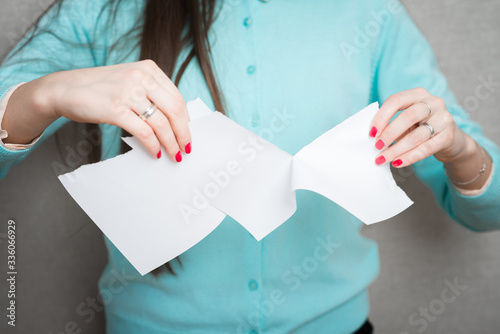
{"x": 468, "y": 151}
{"x": 46, "y": 96}
{"x": 28, "y": 112}
{"x": 470, "y": 169}
{"x": 463, "y": 147}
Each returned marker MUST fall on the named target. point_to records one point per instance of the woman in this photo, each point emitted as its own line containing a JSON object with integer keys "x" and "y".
{"x": 254, "y": 60}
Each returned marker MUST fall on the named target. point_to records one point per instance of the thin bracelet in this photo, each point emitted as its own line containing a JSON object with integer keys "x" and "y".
{"x": 481, "y": 171}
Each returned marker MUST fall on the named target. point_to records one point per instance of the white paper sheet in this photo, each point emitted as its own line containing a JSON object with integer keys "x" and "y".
{"x": 155, "y": 209}
{"x": 340, "y": 165}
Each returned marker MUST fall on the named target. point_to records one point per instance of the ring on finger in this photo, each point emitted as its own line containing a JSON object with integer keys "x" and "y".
{"x": 429, "y": 127}
{"x": 428, "y": 106}
{"x": 148, "y": 112}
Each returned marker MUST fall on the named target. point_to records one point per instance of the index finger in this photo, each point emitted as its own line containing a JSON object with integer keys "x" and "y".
{"x": 165, "y": 95}
{"x": 172, "y": 104}
{"x": 392, "y": 105}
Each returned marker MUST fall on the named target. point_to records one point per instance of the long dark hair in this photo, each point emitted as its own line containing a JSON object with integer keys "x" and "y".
{"x": 162, "y": 41}
{"x": 162, "y": 38}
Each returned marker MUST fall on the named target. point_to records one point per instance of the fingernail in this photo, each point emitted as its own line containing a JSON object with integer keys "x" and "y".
{"x": 188, "y": 148}
{"x": 379, "y": 144}
{"x": 397, "y": 163}
{"x": 380, "y": 160}
{"x": 178, "y": 157}
{"x": 373, "y": 131}
{"x": 159, "y": 154}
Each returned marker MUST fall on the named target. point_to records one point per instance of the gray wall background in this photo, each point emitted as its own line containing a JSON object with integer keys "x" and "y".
{"x": 61, "y": 252}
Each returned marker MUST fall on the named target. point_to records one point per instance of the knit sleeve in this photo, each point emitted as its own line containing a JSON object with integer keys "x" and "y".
{"x": 403, "y": 60}
{"x": 62, "y": 40}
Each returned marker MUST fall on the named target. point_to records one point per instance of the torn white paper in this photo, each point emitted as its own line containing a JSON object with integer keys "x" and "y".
{"x": 340, "y": 166}
{"x": 154, "y": 209}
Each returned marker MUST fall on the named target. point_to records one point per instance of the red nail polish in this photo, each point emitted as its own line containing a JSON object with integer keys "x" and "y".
{"x": 373, "y": 131}
{"x": 188, "y": 148}
{"x": 380, "y": 160}
{"x": 379, "y": 144}
{"x": 178, "y": 157}
{"x": 397, "y": 163}
{"x": 159, "y": 155}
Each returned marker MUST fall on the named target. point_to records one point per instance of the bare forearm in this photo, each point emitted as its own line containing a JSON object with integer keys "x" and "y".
{"x": 28, "y": 112}
{"x": 116, "y": 94}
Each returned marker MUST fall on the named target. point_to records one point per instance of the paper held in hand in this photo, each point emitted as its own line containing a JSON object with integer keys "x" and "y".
{"x": 175, "y": 205}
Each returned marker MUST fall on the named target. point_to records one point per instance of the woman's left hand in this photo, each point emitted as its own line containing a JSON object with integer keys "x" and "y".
{"x": 413, "y": 141}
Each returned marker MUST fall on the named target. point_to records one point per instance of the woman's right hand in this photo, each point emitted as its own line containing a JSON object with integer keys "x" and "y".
{"x": 117, "y": 95}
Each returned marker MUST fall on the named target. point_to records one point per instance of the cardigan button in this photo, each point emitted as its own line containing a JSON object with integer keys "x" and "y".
{"x": 251, "y": 69}
{"x": 255, "y": 120}
{"x": 247, "y": 22}
{"x": 253, "y": 285}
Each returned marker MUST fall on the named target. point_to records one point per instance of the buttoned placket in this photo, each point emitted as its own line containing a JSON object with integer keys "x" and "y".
{"x": 249, "y": 20}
